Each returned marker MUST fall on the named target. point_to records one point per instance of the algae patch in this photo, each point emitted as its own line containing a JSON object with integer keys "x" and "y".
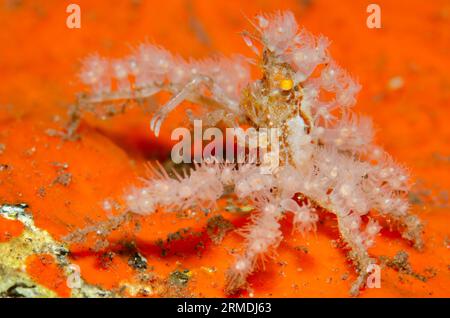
{"x": 14, "y": 281}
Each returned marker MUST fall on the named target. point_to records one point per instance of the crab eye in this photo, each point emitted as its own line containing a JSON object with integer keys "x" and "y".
{"x": 286, "y": 84}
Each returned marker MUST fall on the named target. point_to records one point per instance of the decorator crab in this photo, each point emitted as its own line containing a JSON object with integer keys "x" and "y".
{"x": 327, "y": 162}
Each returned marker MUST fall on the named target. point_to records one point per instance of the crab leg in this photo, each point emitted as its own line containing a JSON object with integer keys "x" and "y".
{"x": 160, "y": 116}
{"x": 263, "y": 235}
{"x": 357, "y": 253}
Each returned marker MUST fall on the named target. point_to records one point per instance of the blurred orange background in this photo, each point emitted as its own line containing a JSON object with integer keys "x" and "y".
{"x": 39, "y": 61}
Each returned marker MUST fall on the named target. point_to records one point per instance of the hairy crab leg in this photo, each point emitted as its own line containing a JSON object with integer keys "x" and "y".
{"x": 102, "y": 228}
{"x": 143, "y": 93}
{"x": 411, "y": 228}
{"x": 160, "y": 116}
{"x": 143, "y": 198}
{"x": 357, "y": 253}
{"x": 262, "y": 235}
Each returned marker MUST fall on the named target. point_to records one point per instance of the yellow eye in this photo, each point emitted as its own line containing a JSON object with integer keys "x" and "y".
{"x": 286, "y": 84}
